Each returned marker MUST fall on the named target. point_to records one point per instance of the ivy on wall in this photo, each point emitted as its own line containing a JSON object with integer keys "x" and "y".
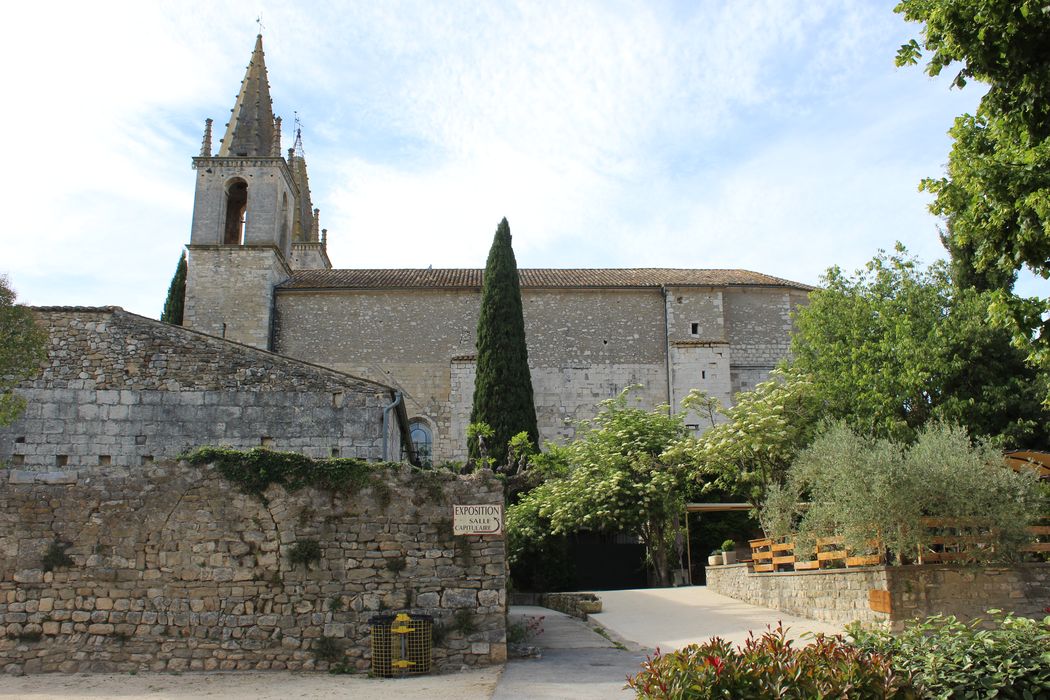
{"x": 256, "y": 469}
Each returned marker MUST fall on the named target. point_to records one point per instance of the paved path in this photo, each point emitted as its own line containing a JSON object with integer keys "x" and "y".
{"x": 576, "y": 663}
{"x": 670, "y": 618}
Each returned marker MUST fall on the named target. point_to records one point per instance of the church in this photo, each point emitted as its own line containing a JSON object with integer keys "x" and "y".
{"x": 259, "y": 274}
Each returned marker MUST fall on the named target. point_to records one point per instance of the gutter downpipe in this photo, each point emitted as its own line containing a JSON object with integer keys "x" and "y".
{"x": 386, "y": 425}
{"x": 667, "y": 355}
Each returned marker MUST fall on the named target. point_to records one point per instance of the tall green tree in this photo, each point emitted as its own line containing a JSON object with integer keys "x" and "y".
{"x": 995, "y": 196}
{"x": 23, "y": 346}
{"x": 176, "y": 300}
{"x": 503, "y": 396}
{"x": 898, "y": 345}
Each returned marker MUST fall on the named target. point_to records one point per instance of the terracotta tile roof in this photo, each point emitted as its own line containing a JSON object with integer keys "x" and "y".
{"x": 534, "y": 278}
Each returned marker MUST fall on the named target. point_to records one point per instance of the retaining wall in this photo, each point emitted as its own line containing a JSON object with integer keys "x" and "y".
{"x": 887, "y": 596}
{"x": 173, "y": 568}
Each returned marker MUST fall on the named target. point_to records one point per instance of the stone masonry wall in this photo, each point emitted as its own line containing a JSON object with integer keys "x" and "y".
{"x": 173, "y": 568}
{"x": 842, "y": 596}
{"x": 584, "y": 346}
{"x": 229, "y": 291}
{"x": 838, "y": 597}
{"x": 123, "y": 390}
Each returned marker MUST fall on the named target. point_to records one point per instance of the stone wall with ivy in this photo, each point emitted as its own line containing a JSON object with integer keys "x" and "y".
{"x": 180, "y": 568}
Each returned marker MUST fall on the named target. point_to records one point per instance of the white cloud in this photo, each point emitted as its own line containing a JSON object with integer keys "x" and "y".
{"x": 768, "y": 135}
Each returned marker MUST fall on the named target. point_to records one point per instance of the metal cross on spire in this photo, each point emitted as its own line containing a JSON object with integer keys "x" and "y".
{"x": 258, "y": 21}
{"x": 298, "y": 146}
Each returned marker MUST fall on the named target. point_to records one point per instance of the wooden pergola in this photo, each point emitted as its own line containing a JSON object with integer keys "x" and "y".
{"x": 705, "y": 508}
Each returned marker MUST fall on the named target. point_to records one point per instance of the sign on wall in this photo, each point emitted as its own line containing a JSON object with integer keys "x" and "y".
{"x": 482, "y": 519}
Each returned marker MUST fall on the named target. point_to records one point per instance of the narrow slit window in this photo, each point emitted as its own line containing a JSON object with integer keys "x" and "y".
{"x": 694, "y": 328}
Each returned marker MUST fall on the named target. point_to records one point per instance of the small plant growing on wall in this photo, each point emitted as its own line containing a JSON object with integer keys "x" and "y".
{"x": 328, "y": 649}
{"x": 443, "y": 529}
{"x": 335, "y": 604}
{"x": 463, "y": 622}
{"x": 396, "y": 564}
{"x": 55, "y": 557}
{"x": 304, "y": 552}
{"x": 439, "y": 633}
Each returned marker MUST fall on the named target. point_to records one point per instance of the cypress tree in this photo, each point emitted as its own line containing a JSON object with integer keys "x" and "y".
{"x": 176, "y": 295}
{"x": 503, "y": 387}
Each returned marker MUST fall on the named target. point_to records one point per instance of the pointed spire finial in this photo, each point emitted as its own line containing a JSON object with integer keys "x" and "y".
{"x": 276, "y": 150}
{"x": 250, "y": 129}
{"x": 316, "y": 228}
{"x": 206, "y": 143}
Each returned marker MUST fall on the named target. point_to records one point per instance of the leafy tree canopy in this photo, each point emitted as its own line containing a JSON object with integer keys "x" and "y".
{"x": 995, "y": 197}
{"x": 503, "y": 398}
{"x": 22, "y": 349}
{"x": 619, "y": 480}
{"x": 760, "y": 437}
{"x": 897, "y": 345}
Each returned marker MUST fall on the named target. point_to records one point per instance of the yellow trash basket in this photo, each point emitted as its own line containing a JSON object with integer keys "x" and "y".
{"x": 401, "y": 645}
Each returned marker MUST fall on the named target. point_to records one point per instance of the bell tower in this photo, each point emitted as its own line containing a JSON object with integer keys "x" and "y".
{"x": 244, "y": 209}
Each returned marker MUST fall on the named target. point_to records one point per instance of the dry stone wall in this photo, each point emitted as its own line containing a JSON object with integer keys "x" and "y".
{"x": 843, "y": 596}
{"x": 173, "y": 568}
{"x": 121, "y": 390}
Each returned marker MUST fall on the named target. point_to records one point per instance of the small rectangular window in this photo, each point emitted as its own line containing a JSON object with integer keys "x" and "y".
{"x": 104, "y": 460}
{"x": 140, "y": 439}
{"x": 266, "y": 441}
{"x": 147, "y": 459}
{"x": 703, "y": 374}
{"x": 333, "y": 452}
{"x": 61, "y": 460}
{"x": 694, "y": 328}
{"x": 20, "y": 440}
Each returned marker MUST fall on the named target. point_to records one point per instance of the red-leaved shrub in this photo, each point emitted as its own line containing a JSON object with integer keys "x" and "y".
{"x": 770, "y": 666}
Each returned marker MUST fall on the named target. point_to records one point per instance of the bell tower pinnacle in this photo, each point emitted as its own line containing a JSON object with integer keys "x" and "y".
{"x": 243, "y": 212}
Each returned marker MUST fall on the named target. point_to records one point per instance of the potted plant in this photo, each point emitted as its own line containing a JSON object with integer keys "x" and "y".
{"x": 715, "y": 558}
{"x": 729, "y": 552}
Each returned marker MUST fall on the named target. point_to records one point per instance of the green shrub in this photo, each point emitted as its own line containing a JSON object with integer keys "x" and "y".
{"x": 769, "y": 666}
{"x": 863, "y": 489}
{"x": 951, "y": 659}
{"x": 55, "y": 557}
{"x": 304, "y": 552}
{"x": 728, "y": 546}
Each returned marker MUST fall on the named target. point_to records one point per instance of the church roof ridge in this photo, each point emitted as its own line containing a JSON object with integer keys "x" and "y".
{"x": 250, "y": 131}
{"x": 535, "y": 278}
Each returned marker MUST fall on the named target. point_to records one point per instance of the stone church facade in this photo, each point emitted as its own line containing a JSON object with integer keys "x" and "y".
{"x": 259, "y": 274}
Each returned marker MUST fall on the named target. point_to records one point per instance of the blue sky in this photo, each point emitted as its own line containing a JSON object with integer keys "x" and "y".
{"x": 772, "y": 136}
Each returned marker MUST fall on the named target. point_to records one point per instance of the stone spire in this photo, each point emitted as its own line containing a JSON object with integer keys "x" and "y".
{"x": 303, "y": 225}
{"x": 206, "y": 142}
{"x": 250, "y": 132}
